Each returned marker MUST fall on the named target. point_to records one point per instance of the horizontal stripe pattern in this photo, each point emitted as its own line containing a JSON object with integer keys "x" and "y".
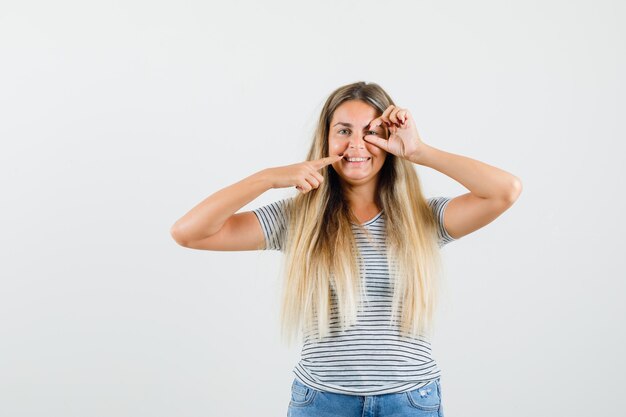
{"x": 371, "y": 357}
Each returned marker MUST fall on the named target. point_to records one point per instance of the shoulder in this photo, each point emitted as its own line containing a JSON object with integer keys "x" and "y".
{"x": 438, "y": 202}
{"x": 438, "y": 206}
{"x": 273, "y": 218}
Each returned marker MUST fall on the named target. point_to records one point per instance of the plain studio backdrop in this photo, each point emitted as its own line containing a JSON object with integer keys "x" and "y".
{"x": 118, "y": 117}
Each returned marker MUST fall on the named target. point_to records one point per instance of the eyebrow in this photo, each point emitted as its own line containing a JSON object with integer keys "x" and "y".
{"x": 350, "y": 125}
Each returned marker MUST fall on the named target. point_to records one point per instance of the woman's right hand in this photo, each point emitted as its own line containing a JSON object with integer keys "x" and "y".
{"x": 303, "y": 175}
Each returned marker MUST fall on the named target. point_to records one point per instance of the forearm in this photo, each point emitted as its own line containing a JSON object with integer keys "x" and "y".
{"x": 481, "y": 179}
{"x": 209, "y": 215}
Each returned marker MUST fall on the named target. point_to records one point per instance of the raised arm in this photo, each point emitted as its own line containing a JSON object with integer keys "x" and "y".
{"x": 492, "y": 190}
{"x": 213, "y": 224}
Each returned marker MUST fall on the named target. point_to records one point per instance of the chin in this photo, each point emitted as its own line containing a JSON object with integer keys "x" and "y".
{"x": 354, "y": 179}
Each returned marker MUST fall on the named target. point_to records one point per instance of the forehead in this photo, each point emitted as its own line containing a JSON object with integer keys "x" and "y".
{"x": 354, "y": 111}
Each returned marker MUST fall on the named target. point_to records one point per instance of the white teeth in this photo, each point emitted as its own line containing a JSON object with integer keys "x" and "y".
{"x": 357, "y": 159}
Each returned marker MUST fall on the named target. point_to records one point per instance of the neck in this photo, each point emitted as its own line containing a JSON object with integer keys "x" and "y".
{"x": 361, "y": 196}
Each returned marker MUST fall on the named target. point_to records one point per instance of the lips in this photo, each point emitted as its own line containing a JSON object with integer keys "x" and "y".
{"x": 356, "y": 163}
{"x": 345, "y": 158}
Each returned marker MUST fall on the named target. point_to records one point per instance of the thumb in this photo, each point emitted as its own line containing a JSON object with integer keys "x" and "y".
{"x": 375, "y": 140}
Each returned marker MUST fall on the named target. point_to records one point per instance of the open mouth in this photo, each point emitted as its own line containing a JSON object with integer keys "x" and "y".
{"x": 357, "y": 161}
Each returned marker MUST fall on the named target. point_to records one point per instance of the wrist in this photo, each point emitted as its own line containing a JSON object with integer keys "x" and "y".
{"x": 264, "y": 178}
{"x": 421, "y": 155}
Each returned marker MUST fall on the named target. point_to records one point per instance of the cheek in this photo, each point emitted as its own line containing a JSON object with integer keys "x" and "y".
{"x": 336, "y": 147}
{"x": 380, "y": 155}
{"x": 375, "y": 150}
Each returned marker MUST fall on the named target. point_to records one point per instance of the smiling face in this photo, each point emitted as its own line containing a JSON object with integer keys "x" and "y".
{"x": 348, "y": 125}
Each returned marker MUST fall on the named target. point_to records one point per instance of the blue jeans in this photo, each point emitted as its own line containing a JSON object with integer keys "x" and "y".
{"x": 420, "y": 402}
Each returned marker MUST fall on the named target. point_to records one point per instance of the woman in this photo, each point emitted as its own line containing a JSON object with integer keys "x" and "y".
{"x": 361, "y": 247}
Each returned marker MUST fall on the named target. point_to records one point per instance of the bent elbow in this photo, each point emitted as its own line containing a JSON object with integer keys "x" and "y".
{"x": 516, "y": 190}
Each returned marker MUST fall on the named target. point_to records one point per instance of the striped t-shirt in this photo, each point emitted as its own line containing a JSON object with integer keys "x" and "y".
{"x": 371, "y": 357}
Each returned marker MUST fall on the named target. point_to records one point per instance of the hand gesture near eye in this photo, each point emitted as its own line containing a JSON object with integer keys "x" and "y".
{"x": 403, "y": 141}
{"x": 303, "y": 175}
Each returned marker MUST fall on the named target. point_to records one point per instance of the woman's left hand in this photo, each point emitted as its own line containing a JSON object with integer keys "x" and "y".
{"x": 403, "y": 141}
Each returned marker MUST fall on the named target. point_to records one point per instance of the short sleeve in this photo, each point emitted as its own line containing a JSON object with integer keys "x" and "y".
{"x": 438, "y": 205}
{"x": 273, "y": 220}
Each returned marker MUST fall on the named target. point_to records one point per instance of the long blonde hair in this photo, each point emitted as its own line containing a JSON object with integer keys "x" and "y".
{"x": 321, "y": 256}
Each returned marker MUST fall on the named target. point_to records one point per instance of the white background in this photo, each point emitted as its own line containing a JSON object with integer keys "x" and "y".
{"x": 117, "y": 117}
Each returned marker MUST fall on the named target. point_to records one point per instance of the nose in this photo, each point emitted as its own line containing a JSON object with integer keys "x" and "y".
{"x": 357, "y": 142}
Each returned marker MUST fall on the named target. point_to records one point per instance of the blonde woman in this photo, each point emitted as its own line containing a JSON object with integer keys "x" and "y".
{"x": 361, "y": 245}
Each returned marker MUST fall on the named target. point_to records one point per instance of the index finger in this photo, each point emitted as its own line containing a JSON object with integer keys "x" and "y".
{"x": 382, "y": 118}
{"x": 322, "y": 162}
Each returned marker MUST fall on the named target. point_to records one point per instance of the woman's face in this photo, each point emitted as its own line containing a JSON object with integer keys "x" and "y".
{"x": 347, "y": 128}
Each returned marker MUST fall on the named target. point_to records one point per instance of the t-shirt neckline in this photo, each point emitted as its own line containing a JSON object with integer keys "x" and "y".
{"x": 372, "y": 220}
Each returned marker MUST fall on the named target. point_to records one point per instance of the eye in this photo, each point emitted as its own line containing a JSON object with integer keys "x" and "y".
{"x": 341, "y": 130}
{"x": 373, "y": 132}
